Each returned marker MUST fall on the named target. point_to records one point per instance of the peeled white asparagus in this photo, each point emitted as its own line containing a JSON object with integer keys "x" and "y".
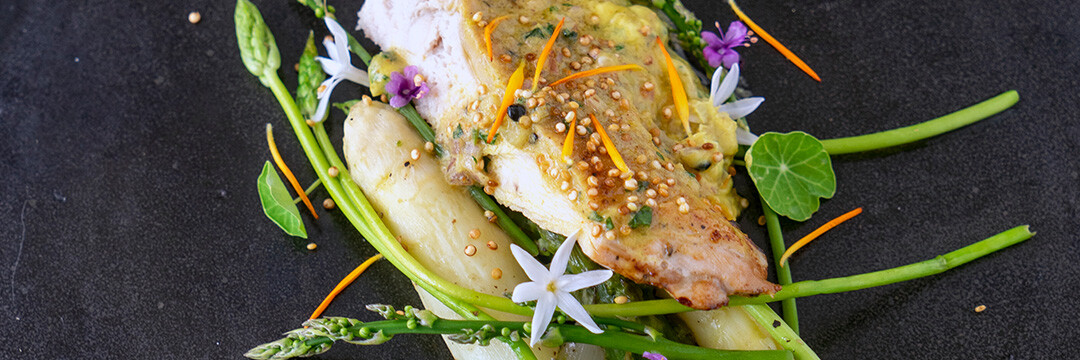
{"x": 433, "y": 219}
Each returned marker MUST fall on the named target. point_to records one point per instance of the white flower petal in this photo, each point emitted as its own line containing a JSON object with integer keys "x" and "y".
{"x": 330, "y": 84}
{"x": 545, "y": 307}
{"x": 533, "y": 268}
{"x": 329, "y": 66}
{"x": 562, "y": 255}
{"x": 570, "y": 306}
{"x": 355, "y": 75}
{"x": 744, "y": 137}
{"x": 331, "y": 49}
{"x": 575, "y": 282}
{"x": 715, "y": 83}
{"x": 341, "y": 40}
{"x": 528, "y": 291}
{"x": 320, "y": 112}
{"x": 727, "y": 87}
{"x": 741, "y": 107}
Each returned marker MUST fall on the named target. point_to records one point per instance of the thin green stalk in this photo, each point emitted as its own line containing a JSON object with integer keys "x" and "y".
{"x": 784, "y": 335}
{"x": 935, "y": 127}
{"x": 926, "y": 268}
{"x": 323, "y": 332}
{"x": 309, "y": 190}
{"x": 503, "y": 220}
{"x": 783, "y": 273}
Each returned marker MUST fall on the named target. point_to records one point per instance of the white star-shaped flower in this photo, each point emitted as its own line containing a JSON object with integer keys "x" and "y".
{"x": 338, "y": 66}
{"x": 721, "y": 91}
{"x": 551, "y": 288}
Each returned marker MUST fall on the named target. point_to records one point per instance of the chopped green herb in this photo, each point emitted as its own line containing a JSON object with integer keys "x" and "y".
{"x": 608, "y": 224}
{"x": 345, "y": 106}
{"x": 569, "y": 34}
{"x": 553, "y": 8}
{"x": 619, "y": 47}
{"x": 567, "y": 4}
{"x": 398, "y": 143}
{"x": 642, "y": 217}
{"x": 661, "y": 156}
{"x": 595, "y": 216}
{"x": 458, "y": 132}
{"x": 642, "y": 185}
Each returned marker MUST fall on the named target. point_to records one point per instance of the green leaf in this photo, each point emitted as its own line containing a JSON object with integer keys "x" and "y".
{"x": 309, "y": 79}
{"x": 257, "y": 46}
{"x": 278, "y": 204}
{"x": 643, "y": 217}
{"x": 791, "y": 172}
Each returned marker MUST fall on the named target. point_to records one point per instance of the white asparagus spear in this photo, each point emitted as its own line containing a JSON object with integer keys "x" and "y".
{"x": 437, "y": 223}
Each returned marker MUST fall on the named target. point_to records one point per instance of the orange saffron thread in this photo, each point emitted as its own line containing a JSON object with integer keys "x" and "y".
{"x": 678, "y": 93}
{"x": 817, "y": 232}
{"x": 611, "y": 151}
{"x": 568, "y": 144}
{"x": 285, "y": 169}
{"x": 772, "y": 41}
{"x": 490, "y": 28}
{"x": 344, "y": 283}
{"x": 543, "y": 54}
{"x": 512, "y": 86}
{"x": 597, "y": 71}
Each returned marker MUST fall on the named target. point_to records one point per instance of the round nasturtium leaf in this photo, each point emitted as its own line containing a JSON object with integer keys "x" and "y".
{"x": 792, "y": 172}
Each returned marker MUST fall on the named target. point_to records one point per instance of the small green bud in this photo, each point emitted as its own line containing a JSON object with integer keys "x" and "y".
{"x": 411, "y": 323}
{"x": 364, "y": 332}
{"x": 561, "y": 319}
{"x": 319, "y": 12}
{"x": 505, "y": 331}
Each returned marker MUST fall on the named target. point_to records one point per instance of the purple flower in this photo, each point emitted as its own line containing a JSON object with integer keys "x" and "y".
{"x": 653, "y": 356}
{"x": 721, "y": 49}
{"x": 406, "y": 87}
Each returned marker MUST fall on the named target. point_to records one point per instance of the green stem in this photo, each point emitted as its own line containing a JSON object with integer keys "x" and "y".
{"x": 309, "y": 190}
{"x": 503, "y": 220}
{"x": 941, "y": 125}
{"x": 933, "y": 266}
{"x": 783, "y": 273}
{"x": 784, "y": 335}
{"x": 558, "y": 334}
{"x": 639, "y": 344}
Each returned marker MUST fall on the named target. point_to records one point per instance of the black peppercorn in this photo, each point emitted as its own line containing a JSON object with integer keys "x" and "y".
{"x": 516, "y": 111}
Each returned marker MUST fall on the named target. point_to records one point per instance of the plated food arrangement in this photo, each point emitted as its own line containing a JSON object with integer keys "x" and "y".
{"x": 554, "y": 176}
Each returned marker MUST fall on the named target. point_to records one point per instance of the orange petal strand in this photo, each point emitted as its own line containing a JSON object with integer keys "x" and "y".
{"x": 344, "y": 283}
{"x": 814, "y": 234}
{"x": 285, "y": 170}
{"x": 597, "y": 71}
{"x": 568, "y": 144}
{"x": 513, "y": 85}
{"x": 543, "y": 54}
{"x": 490, "y": 28}
{"x": 678, "y": 93}
{"x": 612, "y": 152}
{"x": 772, "y": 41}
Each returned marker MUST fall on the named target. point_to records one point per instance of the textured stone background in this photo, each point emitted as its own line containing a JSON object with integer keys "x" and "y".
{"x": 130, "y": 141}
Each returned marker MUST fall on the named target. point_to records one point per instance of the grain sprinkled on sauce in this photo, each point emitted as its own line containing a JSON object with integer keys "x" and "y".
{"x": 496, "y": 274}
{"x": 470, "y": 250}
{"x": 474, "y": 233}
{"x": 492, "y": 245}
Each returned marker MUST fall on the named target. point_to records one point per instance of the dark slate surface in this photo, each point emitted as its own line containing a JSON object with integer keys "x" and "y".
{"x": 130, "y": 225}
